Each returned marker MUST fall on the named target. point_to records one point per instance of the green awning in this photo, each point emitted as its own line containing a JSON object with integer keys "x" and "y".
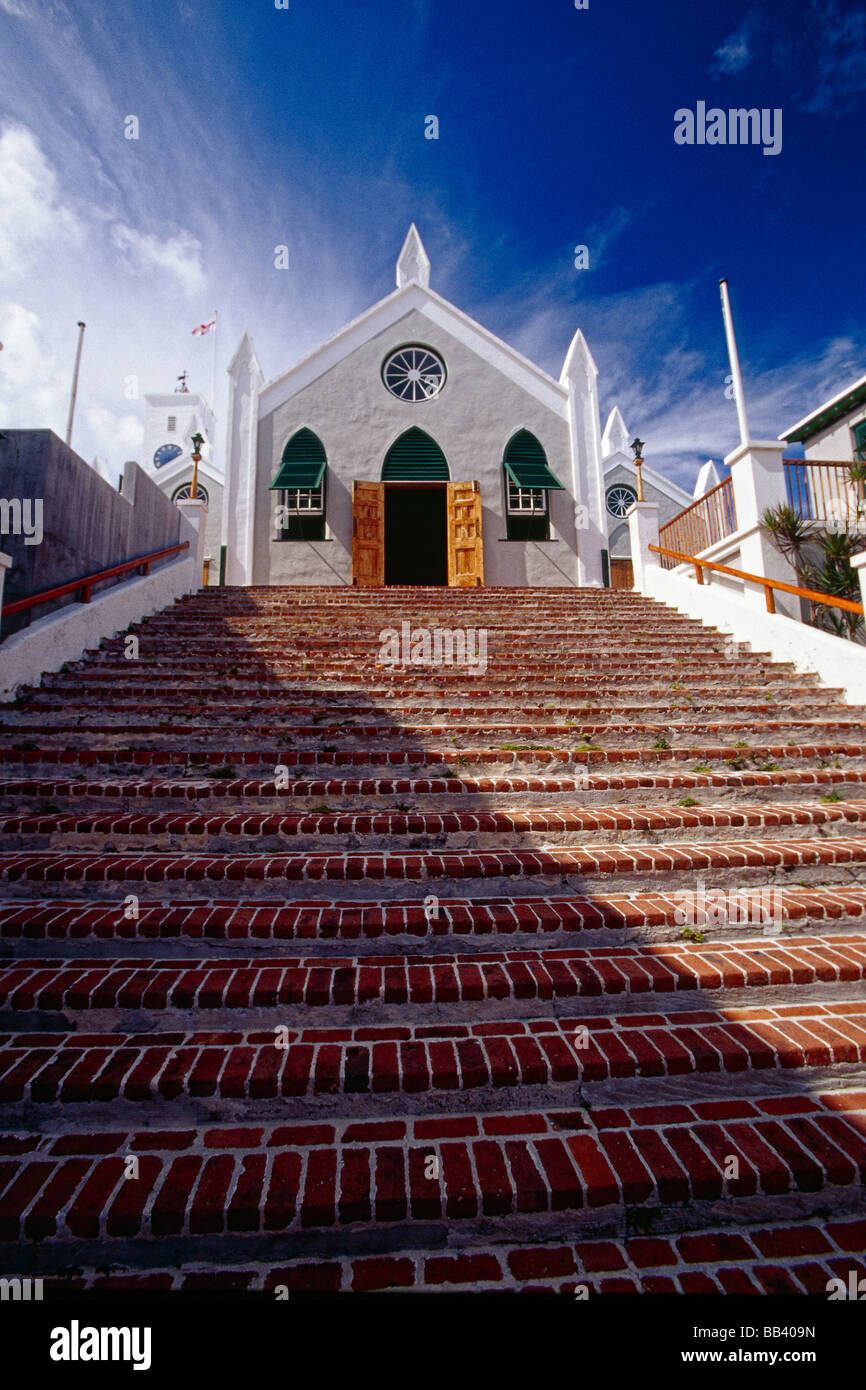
{"x": 303, "y": 463}
{"x": 415, "y": 457}
{"x": 526, "y": 463}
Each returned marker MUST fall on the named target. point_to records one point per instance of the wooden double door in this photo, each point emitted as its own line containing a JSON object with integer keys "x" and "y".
{"x": 424, "y": 533}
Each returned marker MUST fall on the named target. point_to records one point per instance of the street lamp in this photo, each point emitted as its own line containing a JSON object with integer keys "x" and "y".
{"x": 197, "y": 441}
{"x": 636, "y": 447}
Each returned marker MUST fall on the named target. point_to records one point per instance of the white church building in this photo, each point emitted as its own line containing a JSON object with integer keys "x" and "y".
{"x": 416, "y": 447}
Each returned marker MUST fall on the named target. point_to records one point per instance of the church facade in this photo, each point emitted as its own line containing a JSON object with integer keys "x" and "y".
{"x": 415, "y": 447}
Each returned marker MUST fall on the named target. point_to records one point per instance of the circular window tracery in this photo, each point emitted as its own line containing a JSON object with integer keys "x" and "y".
{"x": 619, "y": 498}
{"x": 182, "y": 493}
{"x": 414, "y": 373}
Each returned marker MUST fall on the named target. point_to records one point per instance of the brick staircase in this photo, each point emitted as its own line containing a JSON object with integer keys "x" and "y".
{"x": 434, "y": 1005}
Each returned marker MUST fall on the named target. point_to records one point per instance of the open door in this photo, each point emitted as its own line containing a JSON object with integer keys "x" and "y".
{"x": 368, "y": 533}
{"x": 465, "y": 548}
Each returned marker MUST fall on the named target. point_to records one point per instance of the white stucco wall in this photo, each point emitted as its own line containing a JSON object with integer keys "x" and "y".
{"x": 837, "y": 441}
{"x": 65, "y": 635}
{"x": 836, "y": 661}
{"x": 358, "y": 420}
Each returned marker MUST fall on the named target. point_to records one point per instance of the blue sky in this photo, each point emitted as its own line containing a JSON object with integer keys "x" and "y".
{"x": 305, "y": 127}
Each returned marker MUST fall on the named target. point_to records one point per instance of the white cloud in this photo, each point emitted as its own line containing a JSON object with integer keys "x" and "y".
{"x": 32, "y": 391}
{"x": 33, "y": 219}
{"x": 178, "y": 256}
{"x": 733, "y": 55}
{"x": 17, "y": 8}
{"x": 114, "y": 434}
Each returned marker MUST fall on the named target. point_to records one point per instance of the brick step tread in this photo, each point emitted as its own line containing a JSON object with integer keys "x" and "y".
{"x": 176, "y": 687}
{"x": 398, "y": 711}
{"x": 426, "y": 866}
{"x": 316, "y": 981}
{"x": 384, "y": 757}
{"x": 392, "y": 822}
{"x": 787, "y": 1258}
{"x": 189, "y": 789}
{"x": 317, "y": 1176}
{"x": 670, "y": 728}
{"x": 261, "y": 920}
{"x": 80, "y": 1068}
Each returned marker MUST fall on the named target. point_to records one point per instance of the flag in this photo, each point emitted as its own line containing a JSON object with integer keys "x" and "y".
{"x": 204, "y": 327}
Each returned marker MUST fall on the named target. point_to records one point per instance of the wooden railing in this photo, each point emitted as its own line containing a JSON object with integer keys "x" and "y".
{"x": 769, "y": 584}
{"x": 823, "y": 490}
{"x": 83, "y": 586}
{"x": 709, "y": 519}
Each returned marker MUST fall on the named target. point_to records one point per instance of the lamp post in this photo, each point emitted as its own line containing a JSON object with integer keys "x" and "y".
{"x": 636, "y": 447}
{"x": 197, "y": 441}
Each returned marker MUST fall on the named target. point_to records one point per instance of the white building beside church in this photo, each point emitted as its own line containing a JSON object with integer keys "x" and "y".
{"x": 170, "y": 421}
{"x": 416, "y": 447}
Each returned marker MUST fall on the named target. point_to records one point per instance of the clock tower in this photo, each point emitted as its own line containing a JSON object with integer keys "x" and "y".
{"x": 170, "y": 421}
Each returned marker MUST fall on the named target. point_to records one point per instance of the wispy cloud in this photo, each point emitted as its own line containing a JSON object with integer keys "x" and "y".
{"x": 823, "y": 58}
{"x": 737, "y": 51}
{"x": 178, "y": 256}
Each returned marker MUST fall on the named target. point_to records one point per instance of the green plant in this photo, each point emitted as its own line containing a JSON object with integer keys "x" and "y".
{"x": 221, "y": 772}
{"x": 661, "y": 743}
{"x": 831, "y": 796}
{"x": 688, "y": 801}
{"x": 821, "y": 557}
{"x": 702, "y": 767}
{"x": 689, "y": 934}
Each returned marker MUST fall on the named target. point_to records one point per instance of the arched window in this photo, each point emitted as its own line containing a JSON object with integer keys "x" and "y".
{"x": 415, "y": 457}
{"x": 300, "y": 483}
{"x": 528, "y": 480}
{"x": 181, "y": 493}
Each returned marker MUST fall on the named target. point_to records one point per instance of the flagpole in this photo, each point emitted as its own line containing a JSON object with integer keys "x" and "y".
{"x": 213, "y": 364}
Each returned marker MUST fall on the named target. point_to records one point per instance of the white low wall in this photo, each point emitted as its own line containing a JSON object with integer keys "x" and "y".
{"x": 836, "y": 661}
{"x": 67, "y": 634}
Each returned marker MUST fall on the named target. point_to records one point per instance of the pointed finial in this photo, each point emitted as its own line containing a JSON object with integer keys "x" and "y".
{"x": 615, "y": 437}
{"x": 413, "y": 264}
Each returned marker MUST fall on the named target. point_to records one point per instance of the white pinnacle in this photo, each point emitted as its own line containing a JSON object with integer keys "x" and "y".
{"x": 413, "y": 264}
{"x": 615, "y": 438}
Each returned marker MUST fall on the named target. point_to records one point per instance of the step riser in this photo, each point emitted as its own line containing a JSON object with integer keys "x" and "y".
{"x": 159, "y": 1112}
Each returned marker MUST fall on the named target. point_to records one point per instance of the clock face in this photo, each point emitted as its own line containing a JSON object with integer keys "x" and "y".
{"x": 165, "y": 453}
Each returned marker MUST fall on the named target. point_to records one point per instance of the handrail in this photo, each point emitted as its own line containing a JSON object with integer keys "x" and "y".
{"x": 699, "y": 501}
{"x": 769, "y": 584}
{"x": 704, "y": 522}
{"x": 143, "y": 563}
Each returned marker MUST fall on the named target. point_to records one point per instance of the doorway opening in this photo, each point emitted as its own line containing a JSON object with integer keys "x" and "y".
{"x": 416, "y": 534}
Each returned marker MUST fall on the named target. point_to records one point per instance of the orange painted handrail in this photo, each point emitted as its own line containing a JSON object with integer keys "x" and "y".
{"x": 20, "y": 605}
{"x": 769, "y": 584}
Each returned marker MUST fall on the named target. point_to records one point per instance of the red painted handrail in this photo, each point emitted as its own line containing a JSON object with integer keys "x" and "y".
{"x": 143, "y": 563}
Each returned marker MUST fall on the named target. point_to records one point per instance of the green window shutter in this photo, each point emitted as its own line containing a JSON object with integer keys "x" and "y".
{"x": 415, "y": 457}
{"x": 526, "y": 463}
{"x": 860, "y": 441}
{"x": 303, "y": 462}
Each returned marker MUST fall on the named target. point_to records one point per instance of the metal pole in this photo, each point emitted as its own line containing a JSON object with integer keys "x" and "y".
{"x": 81, "y": 328}
{"x": 734, "y": 359}
{"x": 213, "y": 364}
